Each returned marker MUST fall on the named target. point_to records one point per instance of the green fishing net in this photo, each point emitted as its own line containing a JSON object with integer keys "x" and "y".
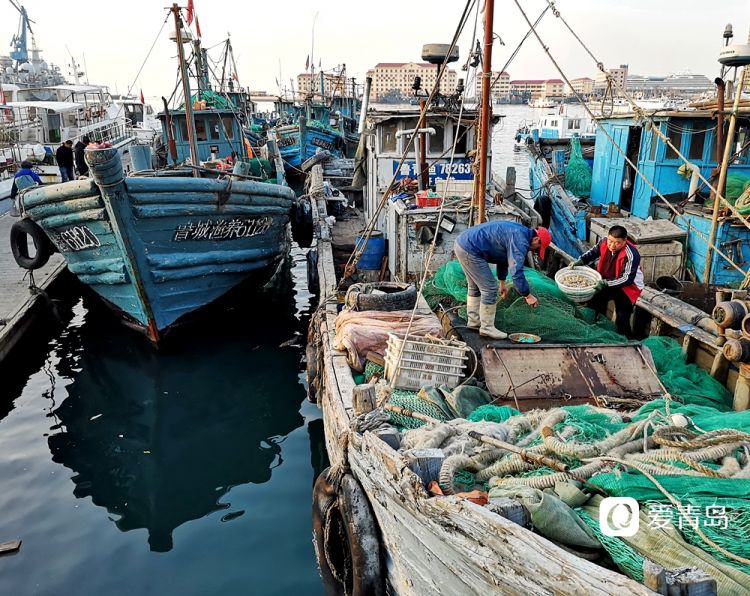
{"x": 411, "y": 401}
{"x": 629, "y": 560}
{"x": 577, "y": 172}
{"x": 686, "y": 382}
{"x": 556, "y": 319}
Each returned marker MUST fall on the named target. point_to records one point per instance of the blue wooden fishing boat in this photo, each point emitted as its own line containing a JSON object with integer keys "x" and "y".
{"x": 158, "y": 245}
{"x": 617, "y": 190}
{"x": 299, "y": 141}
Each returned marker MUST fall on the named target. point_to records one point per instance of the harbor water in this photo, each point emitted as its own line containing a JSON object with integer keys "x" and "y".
{"x": 127, "y": 470}
{"x": 186, "y": 470}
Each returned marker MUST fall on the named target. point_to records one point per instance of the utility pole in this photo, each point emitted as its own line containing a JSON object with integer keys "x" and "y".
{"x": 486, "y": 109}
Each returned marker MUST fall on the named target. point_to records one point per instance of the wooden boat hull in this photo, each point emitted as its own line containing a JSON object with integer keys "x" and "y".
{"x": 296, "y": 147}
{"x": 158, "y": 248}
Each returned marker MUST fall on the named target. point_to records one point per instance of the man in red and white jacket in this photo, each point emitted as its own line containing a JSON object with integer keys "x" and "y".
{"x": 622, "y": 276}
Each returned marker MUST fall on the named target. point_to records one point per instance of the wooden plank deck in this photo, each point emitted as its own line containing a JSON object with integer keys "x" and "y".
{"x": 17, "y": 303}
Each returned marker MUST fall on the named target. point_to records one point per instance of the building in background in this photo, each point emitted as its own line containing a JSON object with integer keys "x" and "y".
{"x": 583, "y": 86}
{"x": 620, "y": 76}
{"x": 500, "y": 89}
{"x": 394, "y": 80}
{"x": 523, "y": 90}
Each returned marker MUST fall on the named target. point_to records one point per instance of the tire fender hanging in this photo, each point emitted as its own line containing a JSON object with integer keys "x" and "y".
{"x": 346, "y": 538}
{"x": 19, "y": 232}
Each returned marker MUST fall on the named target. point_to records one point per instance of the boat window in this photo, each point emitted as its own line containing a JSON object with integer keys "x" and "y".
{"x": 200, "y": 130}
{"x": 436, "y": 142}
{"x": 575, "y": 123}
{"x": 183, "y": 129}
{"x": 654, "y": 146}
{"x": 388, "y": 137}
{"x": 228, "y": 127}
{"x": 214, "y": 128}
{"x": 462, "y": 133}
{"x": 697, "y": 142}
{"x": 674, "y": 134}
{"x": 554, "y": 123}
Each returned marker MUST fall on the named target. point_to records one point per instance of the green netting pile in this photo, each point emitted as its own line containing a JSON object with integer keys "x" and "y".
{"x": 261, "y": 168}
{"x": 492, "y": 413}
{"x": 736, "y": 185}
{"x": 556, "y": 319}
{"x": 577, "y": 172}
{"x": 687, "y": 382}
{"x": 213, "y": 100}
{"x": 629, "y": 560}
{"x": 720, "y": 506}
{"x": 411, "y": 401}
{"x": 373, "y": 370}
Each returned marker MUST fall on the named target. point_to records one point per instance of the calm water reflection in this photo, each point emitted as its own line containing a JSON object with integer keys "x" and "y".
{"x": 185, "y": 471}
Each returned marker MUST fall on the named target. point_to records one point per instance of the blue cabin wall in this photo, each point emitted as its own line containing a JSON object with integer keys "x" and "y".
{"x": 215, "y": 135}
{"x": 609, "y": 164}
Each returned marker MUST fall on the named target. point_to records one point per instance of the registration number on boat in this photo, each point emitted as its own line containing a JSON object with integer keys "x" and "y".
{"x": 321, "y": 143}
{"x": 222, "y": 229}
{"x": 286, "y": 141}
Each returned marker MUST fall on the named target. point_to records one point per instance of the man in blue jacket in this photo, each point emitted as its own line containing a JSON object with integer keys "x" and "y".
{"x": 25, "y": 170}
{"x": 505, "y": 244}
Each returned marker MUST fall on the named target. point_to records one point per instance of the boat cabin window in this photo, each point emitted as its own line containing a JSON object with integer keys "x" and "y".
{"x": 741, "y": 140}
{"x": 574, "y": 124}
{"x": 228, "y": 128}
{"x": 553, "y": 123}
{"x": 697, "y": 142}
{"x": 654, "y": 146}
{"x": 200, "y": 130}
{"x": 388, "y": 137}
{"x": 674, "y": 134}
{"x": 462, "y": 142}
{"x": 436, "y": 142}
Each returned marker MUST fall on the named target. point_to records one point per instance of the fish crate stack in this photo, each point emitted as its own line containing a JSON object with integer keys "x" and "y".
{"x": 425, "y": 361}
{"x": 660, "y": 242}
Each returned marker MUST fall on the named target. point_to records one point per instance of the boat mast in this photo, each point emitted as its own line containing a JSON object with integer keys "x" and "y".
{"x": 485, "y": 114}
{"x": 190, "y": 121}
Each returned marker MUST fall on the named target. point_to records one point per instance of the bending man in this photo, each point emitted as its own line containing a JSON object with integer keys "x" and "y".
{"x": 505, "y": 244}
{"x": 622, "y": 277}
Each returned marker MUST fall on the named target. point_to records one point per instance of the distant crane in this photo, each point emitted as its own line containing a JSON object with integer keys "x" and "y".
{"x": 20, "y": 50}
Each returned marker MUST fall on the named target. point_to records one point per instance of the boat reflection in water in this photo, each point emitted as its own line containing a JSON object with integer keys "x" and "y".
{"x": 160, "y": 439}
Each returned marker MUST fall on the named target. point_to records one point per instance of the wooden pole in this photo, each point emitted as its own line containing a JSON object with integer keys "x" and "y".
{"x": 486, "y": 111}
{"x": 190, "y": 120}
{"x": 723, "y": 176}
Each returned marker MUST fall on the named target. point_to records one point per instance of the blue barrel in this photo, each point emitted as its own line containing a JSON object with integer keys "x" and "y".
{"x": 372, "y": 256}
{"x": 140, "y": 158}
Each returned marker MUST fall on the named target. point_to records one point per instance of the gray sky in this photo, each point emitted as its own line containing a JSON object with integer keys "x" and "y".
{"x": 652, "y": 36}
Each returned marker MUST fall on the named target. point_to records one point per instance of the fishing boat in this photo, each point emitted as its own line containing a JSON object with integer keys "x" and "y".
{"x": 39, "y": 110}
{"x": 542, "y": 102}
{"x": 684, "y": 170}
{"x": 157, "y": 245}
{"x": 438, "y": 486}
{"x": 325, "y": 120}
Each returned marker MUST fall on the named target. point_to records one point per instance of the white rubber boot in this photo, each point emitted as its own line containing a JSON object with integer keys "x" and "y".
{"x": 472, "y": 312}
{"x": 487, "y": 318}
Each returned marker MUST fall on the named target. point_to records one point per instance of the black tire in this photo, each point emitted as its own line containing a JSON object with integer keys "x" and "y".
{"x": 302, "y": 223}
{"x": 313, "y": 281}
{"x": 346, "y": 538}
{"x": 398, "y": 296}
{"x": 19, "y": 232}
{"x": 311, "y": 370}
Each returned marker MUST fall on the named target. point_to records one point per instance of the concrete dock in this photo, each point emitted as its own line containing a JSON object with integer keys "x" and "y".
{"x": 18, "y": 304}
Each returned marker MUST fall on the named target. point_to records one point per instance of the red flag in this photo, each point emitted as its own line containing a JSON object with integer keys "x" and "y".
{"x": 307, "y": 63}
{"x": 143, "y": 101}
{"x": 190, "y": 10}
{"x": 197, "y": 26}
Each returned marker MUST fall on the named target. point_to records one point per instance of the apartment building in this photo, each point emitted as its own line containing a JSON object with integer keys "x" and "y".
{"x": 582, "y": 85}
{"x": 389, "y": 78}
{"x": 501, "y": 87}
{"x": 535, "y": 88}
{"x": 620, "y": 76}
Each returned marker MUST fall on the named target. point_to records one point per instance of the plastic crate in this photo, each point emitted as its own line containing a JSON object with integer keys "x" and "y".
{"x": 427, "y": 198}
{"x": 425, "y": 362}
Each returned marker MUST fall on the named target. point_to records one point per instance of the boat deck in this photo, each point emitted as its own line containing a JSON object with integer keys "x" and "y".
{"x": 17, "y": 303}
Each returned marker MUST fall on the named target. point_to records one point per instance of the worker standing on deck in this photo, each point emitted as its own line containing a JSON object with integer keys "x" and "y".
{"x": 622, "y": 276}
{"x": 64, "y": 157}
{"x": 505, "y": 244}
{"x": 79, "y": 151}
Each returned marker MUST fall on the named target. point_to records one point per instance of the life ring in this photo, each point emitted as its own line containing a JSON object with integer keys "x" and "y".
{"x": 346, "y": 538}
{"x": 20, "y": 248}
{"x": 9, "y": 115}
